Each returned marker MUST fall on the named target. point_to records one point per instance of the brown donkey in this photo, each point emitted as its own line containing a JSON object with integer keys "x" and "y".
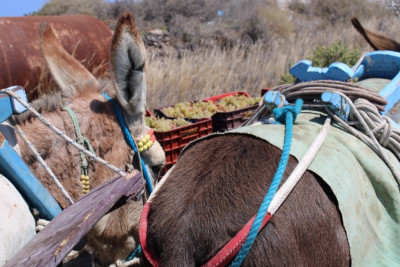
{"x": 116, "y": 234}
{"x": 198, "y": 209}
{"x": 218, "y": 183}
{"x": 377, "y": 41}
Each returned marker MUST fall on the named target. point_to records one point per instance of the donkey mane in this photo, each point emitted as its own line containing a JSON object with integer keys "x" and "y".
{"x": 53, "y": 101}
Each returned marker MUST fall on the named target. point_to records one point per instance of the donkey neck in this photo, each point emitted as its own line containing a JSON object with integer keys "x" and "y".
{"x": 134, "y": 121}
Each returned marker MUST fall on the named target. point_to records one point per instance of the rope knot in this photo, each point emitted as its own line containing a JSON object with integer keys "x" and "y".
{"x": 381, "y": 126}
{"x": 280, "y": 113}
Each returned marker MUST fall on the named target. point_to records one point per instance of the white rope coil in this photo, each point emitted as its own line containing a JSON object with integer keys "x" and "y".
{"x": 363, "y": 126}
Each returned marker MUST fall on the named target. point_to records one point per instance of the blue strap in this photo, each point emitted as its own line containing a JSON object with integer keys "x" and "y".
{"x": 131, "y": 143}
{"x": 287, "y": 114}
{"x": 138, "y": 252}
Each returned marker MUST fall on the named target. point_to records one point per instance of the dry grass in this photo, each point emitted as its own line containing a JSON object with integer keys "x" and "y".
{"x": 207, "y": 72}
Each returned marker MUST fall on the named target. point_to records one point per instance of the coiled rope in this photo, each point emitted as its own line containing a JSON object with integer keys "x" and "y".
{"x": 285, "y": 115}
{"x": 309, "y": 91}
{"x": 368, "y": 118}
{"x": 365, "y": 117}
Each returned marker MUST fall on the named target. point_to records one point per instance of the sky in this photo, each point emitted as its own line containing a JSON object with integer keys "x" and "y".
{"x": 11, "y": 8}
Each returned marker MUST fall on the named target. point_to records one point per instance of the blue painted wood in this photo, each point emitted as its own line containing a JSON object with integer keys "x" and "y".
{"x": 304, "y": 71}
{"x": 337, "y": 104}
{"x": 15, "y": 169}
{"x": 272, "y": 99}
{"x": 380, "y": 64}
{"x": 391, "y": 93}
{"x": 18, "y": 108}
{"x": 376, "y": 64}
{"x": 10, "y": 106}
{"x": 6, "y": 109}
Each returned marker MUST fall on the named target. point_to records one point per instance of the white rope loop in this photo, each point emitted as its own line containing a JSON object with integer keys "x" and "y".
{"x": 380, "y": 125}
{"x": 375, "y": 145}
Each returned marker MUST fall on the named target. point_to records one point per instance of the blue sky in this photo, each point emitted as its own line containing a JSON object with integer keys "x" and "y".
{"x": 11, "y": 8}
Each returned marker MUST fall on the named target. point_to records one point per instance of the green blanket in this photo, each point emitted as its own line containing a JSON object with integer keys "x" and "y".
{"x": 367, "y": 193}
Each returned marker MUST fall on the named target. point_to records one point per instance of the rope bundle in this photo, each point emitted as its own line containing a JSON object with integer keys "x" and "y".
{"x": 381, "y": 126}
{"x": 309, "y": 91}
{"x": 365, "y": 117}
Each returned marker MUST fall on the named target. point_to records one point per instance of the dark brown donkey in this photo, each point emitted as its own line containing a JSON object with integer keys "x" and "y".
{"x": 377, "y": 41}
{"x": 218, "y": 185}
{"x": 115, "y": 235}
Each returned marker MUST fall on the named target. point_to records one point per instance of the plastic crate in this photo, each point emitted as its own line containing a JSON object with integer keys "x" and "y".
{"x": 180, "y": 137}
{"x": 175, "y": 140}
{"x": 158, "y": 112}
{"x": 219, "y": 97}
{"x": 221, "y": 121}
{"x": 264, "y": 91}
{"x": 224, "y": 121}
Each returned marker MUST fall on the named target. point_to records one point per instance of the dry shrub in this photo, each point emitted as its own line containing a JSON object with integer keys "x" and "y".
{"x": 70, "y": 7}
{"x": 206, "y": 72}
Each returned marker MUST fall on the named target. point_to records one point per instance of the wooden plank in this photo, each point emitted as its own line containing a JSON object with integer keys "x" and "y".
{"x": 50, "y": 246}
{"x": 18, "y": 173}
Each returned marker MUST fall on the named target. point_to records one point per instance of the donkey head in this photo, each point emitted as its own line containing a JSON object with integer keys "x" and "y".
{"x": 128, "y": 80}
{"x": 115, "y": 235}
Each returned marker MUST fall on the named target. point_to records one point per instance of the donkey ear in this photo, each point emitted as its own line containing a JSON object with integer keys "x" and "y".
{"x": 69, "y": 74}
{"x": 128, "y": 57}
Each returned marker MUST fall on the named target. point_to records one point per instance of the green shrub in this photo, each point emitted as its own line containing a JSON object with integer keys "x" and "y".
{"x": 323, "y": 56}
{"x": 287, "y": 78}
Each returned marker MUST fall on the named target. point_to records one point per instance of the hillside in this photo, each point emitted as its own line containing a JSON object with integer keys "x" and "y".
{"x": 198, "y": 48}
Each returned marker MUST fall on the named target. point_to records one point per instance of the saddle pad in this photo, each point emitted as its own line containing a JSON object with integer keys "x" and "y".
{"x": 365, "y": 188}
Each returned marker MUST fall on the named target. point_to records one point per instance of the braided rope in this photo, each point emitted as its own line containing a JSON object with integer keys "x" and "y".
{"x": 374, "y": 145}
{"x": 85, "y": 180}
{"x": 131, "y": 142}
{"x": 287, "y": 115}
{"x": 61, "y": 134}
{"x": 313, "y": 90}
{"x": 381, "y": 126}
{"x": 368, "y": 119}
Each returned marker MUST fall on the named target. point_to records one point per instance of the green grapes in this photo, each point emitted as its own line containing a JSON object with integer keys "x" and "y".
{"x": 205, "y": 109}
{"x": 163, "y": 124}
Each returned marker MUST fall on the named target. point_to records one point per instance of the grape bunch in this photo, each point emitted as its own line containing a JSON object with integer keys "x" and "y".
{"x": 231, "y": 103}
{"x": 195, "y": 110}
{"x": 205, "y": 109}
{"x": 163, "y": 124}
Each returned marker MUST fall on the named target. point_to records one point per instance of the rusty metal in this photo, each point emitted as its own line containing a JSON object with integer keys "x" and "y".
{"x": 55, "y": 241}
{"x": 86, "y": 38}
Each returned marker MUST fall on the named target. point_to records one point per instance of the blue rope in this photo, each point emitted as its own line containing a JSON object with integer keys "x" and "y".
{"x": 287, "y": 115}
{"x": 130, "y": 141}
{"x": 138, "y": 252}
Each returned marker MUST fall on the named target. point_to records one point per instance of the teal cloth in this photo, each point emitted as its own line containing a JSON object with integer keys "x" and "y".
{"x": 367, "y": 193}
